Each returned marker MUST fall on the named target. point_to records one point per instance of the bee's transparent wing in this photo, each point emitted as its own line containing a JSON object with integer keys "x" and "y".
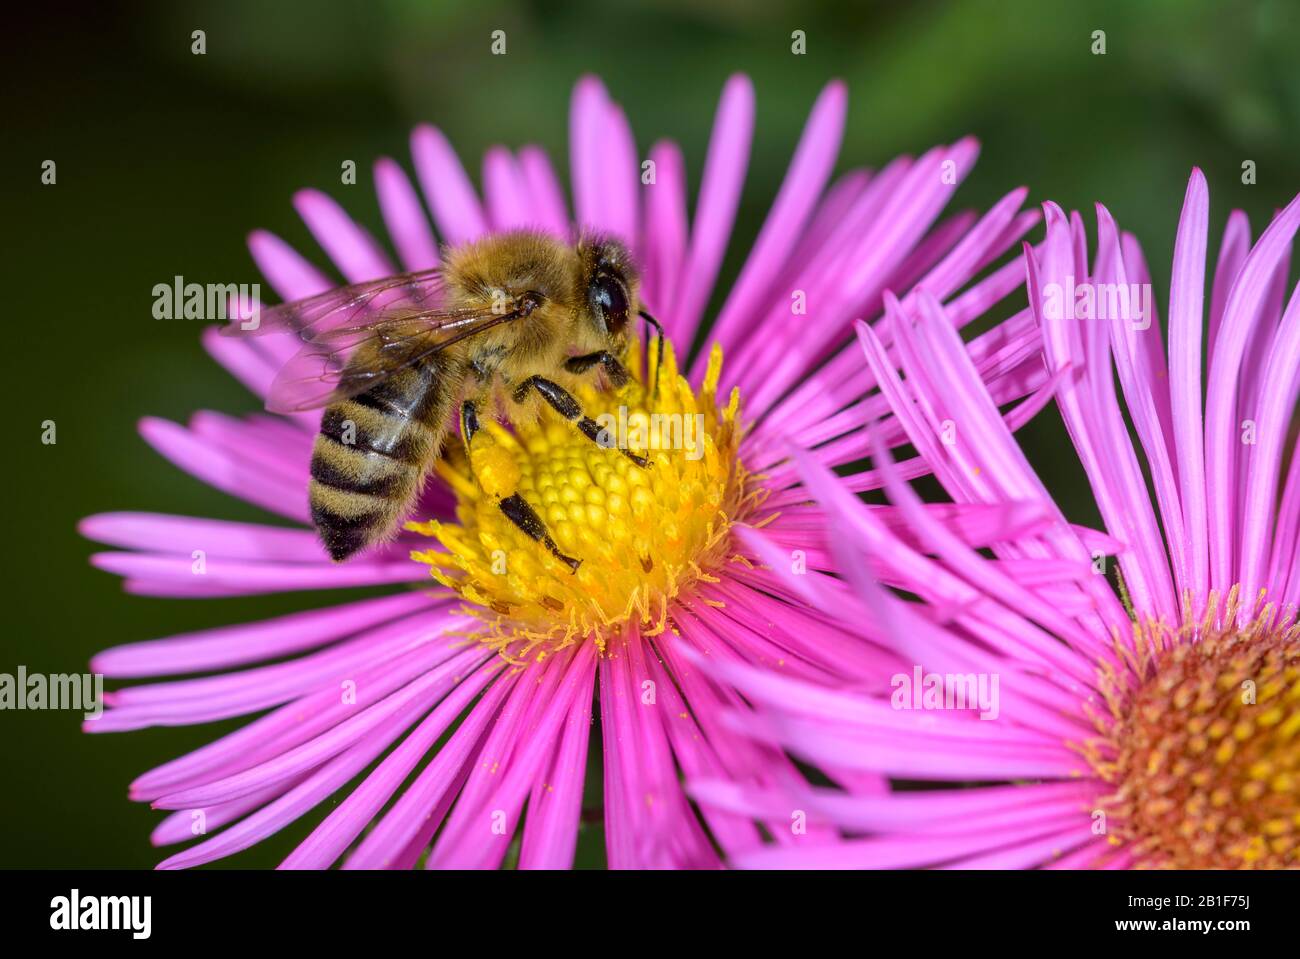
{"x": 348, "y": 306}
{"x": 320, "y": 373}
{"x": 401, "y": 320}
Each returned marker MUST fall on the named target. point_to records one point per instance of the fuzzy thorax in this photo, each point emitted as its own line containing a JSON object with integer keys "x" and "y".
{"x": 644, "y": 536}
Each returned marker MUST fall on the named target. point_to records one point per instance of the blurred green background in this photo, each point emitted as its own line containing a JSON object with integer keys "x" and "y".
{"x": 166, "y": 160}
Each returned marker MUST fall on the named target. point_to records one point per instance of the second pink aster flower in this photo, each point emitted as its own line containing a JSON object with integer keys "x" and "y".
{"x": 1153, "y": 724}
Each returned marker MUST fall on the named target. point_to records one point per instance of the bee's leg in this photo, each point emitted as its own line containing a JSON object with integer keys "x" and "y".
{"x": 468, "y": 424}
{"x": 564, "y": 404}
{"x": 515, "y": 508}
{"x": 525, "y": 517}
{"x": 615, "y": 370}
{"x": 659, "y": 340}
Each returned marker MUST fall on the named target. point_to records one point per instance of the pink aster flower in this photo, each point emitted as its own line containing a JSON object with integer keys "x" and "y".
{"x": 1156, "y": 723}
{"x": 468, "y": 703}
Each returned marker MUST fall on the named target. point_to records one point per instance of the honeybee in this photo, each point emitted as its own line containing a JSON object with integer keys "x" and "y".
{"x": 504, "y": 324}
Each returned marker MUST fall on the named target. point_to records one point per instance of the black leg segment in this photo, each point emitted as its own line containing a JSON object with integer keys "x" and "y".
{"x": 468, "y": 423}
{"x": 525, "y": 517}
{"x": 615, "y": 370}
{"x": 659, "y": 339}
{"x": 564, "y": 404}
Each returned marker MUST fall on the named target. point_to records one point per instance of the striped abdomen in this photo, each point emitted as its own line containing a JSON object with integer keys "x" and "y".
{"x": 372, "y": 454}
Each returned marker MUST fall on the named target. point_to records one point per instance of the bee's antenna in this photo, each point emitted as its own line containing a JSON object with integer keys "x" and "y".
{"x": 659, "y": 336}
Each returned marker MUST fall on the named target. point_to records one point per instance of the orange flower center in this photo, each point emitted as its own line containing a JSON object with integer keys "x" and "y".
{"x": 1204, "y": 753}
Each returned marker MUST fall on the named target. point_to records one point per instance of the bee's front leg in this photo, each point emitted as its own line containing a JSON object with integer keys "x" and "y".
{"x": 563, "y": 403}
{"x": 496, "y": 479}
{"x": 615, "y": 370}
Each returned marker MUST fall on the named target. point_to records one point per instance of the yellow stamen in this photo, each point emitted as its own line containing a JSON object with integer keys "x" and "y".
{"x": 645, "y": 536}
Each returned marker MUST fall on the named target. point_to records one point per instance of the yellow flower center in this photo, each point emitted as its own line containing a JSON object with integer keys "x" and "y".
{"x": 1203, "y": 747}
{"x": 644, "y": 535}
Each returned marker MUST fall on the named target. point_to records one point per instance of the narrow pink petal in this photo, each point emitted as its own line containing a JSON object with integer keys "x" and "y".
{"x": 648, "y": 823}
{"x": 1140, "y": 389}
{"x": 704, "y": 743}
{"x": 1288, "y": 525}
{"x": 184, "y": 824}
{"x": 349, "y": 819}
{"x": 666, "y": 232}
{"x": 1186, "y": 319}
{"x": 862, "y": 272}
{"x": 915, "y": 812}
{"x": 255, "y": 363}
{"x": 842, "y": 715}
{"x": 383, "y": 657}
{"x": 504, "y": 190}
{"x": 405, "y": 703}
{"x": 1222, "y": 431}
{"x": 901, "y": 852}
{"x": 543, "y": 187}
{"x": 404, "y": 217}
{"x": 1232, "y": 253}
{"x": 830, "y": 215}
{"x": 1095, "y": 427}
{"x": 183, "y": 534}
{"x": 227, "y": 646}
{"x": 967, "y": 563}
{"x": 264, "y": 443}
{"x": 510, "y": 731}
{"x": 1291, "y": 592}
{"x": 1003, "y": 225}
{"x": 1278, "y": 387}
{"x": 250, "y": 577}
{"x": 242, "y": 359}
{"x": 802, "y": 186}
{"x": 301, "y": 799}
{"x": 456, "y": 208}
{"x": 605, "y": 170}
{"x": 941, "y": 352}
{"x": 1150, "y": 350}
{"x": 586, "y": 119}
{"x": 1031, "y": 853}
{"x": 291, "y": 275}
{"x": 419, "y": 811}
{"x": 1085, "y": 857}
{"x": 469, "y": 839}
{"x": 1258, "y": 344}
{"x": 717, "y": 751}
{"x": 307, "y": 692}
{"x": 353, "y": 250}
{"x": 621, "y": 178}
{"x": 914, "y": 757}
{"x": 551, "y": 830}
{"x": 224, "y": 471}
{"x": 715, "y": 209}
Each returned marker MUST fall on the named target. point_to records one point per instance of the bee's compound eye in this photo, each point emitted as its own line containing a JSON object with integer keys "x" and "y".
{"x": 609, "y": 301}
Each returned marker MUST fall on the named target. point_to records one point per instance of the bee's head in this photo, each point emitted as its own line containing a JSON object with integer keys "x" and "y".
{"x": 611, "y": 286}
